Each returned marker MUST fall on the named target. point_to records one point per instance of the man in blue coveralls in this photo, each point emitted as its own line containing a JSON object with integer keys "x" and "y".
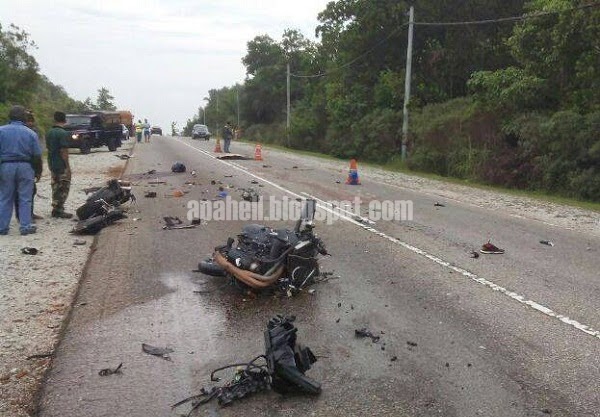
{"x": 20, "y": 166}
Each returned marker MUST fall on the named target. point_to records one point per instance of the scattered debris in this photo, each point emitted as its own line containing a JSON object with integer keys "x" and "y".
{"x": 123, "y": 156}
{"x": 79, "y": 242}
{"x": 156, "y": 181}
{"x": 253, "y": 182}
{"x": 338, "y": 182}
{"x": 157, "y": 351}
{"x": 250, "y": 195}
{"x": 546, "y": 242}
{"x": 173, "y": 223}
{"x": 295, "y": 167}
{"x": 394, "y": 358}
{"x": 196, "y": 221}
{"x": 178, "y": 167}
{"x": 222, "y": 194}
{"x": 474, "y": 254}
{"x": 150, "y": 194}
{"x": 267, "y": 166}
{"x": 489, "y": 248}
{"x": 178, "y": 193}
{"x": 213, "y": 182}
{"x": 193, "y": 173}
{"x": 40, "y": 356}
{"x": 439, "y": 205}
{"x": 362, "y": 333}
{"x": 29, "y": 251}
{"x": 284, "y": 370}
{"x": 233, "y": 156}
{"x": 109, "y": 371}
{"x": 413, "y": 344}
{"x": 152, "y": 171}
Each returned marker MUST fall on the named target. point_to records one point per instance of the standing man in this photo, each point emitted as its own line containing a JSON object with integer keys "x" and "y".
{"x": 20, "y": 165}
{"x": 227, "y": 136}
{"x": 139, "y": 130}
{"x": 58, "y": 163}
{"x": 30, "y": 123}
{"x": 146, "y": 131}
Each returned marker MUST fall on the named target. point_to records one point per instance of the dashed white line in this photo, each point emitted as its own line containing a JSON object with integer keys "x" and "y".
{"x": 324, "y": 206}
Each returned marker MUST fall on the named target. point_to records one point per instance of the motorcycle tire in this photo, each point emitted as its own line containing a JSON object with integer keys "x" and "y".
{"x": 208, "y": 267}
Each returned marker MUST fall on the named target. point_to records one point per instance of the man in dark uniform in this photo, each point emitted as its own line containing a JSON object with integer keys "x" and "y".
{"x": 20, "y": 165}
{"x": 30, "y": 123}
{"x": 58, "y": 163}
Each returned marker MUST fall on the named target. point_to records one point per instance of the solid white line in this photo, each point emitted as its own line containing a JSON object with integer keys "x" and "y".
{"x": 324, "y": 206}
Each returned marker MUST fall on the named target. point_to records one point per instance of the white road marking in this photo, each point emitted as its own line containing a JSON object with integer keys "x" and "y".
{"x": 324, "y": 206}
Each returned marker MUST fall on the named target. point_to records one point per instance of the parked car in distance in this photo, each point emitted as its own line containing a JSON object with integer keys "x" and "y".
{"x": 156, "y": 130}
{"x": 125, "y": 132}
{"x": 200, "y": 132}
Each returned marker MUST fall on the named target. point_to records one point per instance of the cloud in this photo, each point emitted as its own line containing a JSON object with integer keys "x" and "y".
{"x": 158, "y": 58}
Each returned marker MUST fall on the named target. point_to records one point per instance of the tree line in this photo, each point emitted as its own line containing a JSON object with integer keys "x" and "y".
{"x": 511, "y": 102}
{"x": 22, "y": 83}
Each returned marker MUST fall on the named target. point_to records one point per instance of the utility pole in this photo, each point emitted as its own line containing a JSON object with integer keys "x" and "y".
{"x": 288, "y": 105}
{"x": 237, "y": 98}
{"x": 411, "y": 21}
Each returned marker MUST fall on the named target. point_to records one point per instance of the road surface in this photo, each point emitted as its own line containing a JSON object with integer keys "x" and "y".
{"x": 501, "y": 335}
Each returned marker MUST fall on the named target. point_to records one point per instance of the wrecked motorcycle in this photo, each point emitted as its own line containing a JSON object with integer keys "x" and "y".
{"x": 114, "y": 193}
{"x": 264, "y": 257}
{"x": 107, "y": 216}
{"x": 283, "y": 371}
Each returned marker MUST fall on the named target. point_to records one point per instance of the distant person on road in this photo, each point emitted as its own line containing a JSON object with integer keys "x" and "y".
{"x": 146, "y": 131}
{"x": 227, "y": 136}
{"x": 58, "y": 163}
{"x": 139, "y": 130}
{"x": 20, "y": 166}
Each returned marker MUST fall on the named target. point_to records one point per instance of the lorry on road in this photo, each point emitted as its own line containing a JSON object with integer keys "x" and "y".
{"x": 94, "y": 129}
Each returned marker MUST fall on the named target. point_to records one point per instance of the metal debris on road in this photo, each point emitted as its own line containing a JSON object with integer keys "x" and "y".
{"x": 474, "y": 254}
{"x": 150, "y": 194}
{"x": 286, "y": 363}
{"x": 250, "y": 195}
{"x": 40, "y": 356}
{"x": 439, "y": 205}
{"x": 546, "y": 242}
{"x": 157, "y": 351}
{"x": 109, "y": 371}
{"x": 362, "y": 333}
{"x": 29, "y": 251}
{"x": 413, "y": 344}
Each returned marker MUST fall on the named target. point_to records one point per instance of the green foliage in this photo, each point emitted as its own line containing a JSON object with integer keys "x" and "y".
{"x": 18, "y": 69}
{"x": 513, "y": 104}
{"x": 510, "y": 89}
{"x": 104, "y": 100}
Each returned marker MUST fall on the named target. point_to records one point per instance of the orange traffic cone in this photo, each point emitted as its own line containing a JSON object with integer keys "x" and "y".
{"x": 353, "y": 173}
{"x": 258, "y": 152}
{"x": 218, "y": 146}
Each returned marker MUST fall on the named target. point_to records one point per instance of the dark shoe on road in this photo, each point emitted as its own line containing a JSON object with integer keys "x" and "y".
{"x": 61, "y": 214}
{"x": 488, "y": 248}
{"x": 30, "y": 230}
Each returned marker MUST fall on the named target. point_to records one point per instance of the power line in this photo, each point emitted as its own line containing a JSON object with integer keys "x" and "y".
{"x": 463, "y": 23}
{"x": 508, "y": 19}
{"x": 347, "y": 64}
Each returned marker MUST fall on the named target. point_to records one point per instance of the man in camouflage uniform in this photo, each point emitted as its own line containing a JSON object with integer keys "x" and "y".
{"x": 58, "y": 162}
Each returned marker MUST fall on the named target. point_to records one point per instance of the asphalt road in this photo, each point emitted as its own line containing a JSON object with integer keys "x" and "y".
{"x": 502, "y": 335}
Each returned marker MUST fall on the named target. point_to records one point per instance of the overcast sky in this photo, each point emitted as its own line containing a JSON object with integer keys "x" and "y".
{"x": 158, "y": 58}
